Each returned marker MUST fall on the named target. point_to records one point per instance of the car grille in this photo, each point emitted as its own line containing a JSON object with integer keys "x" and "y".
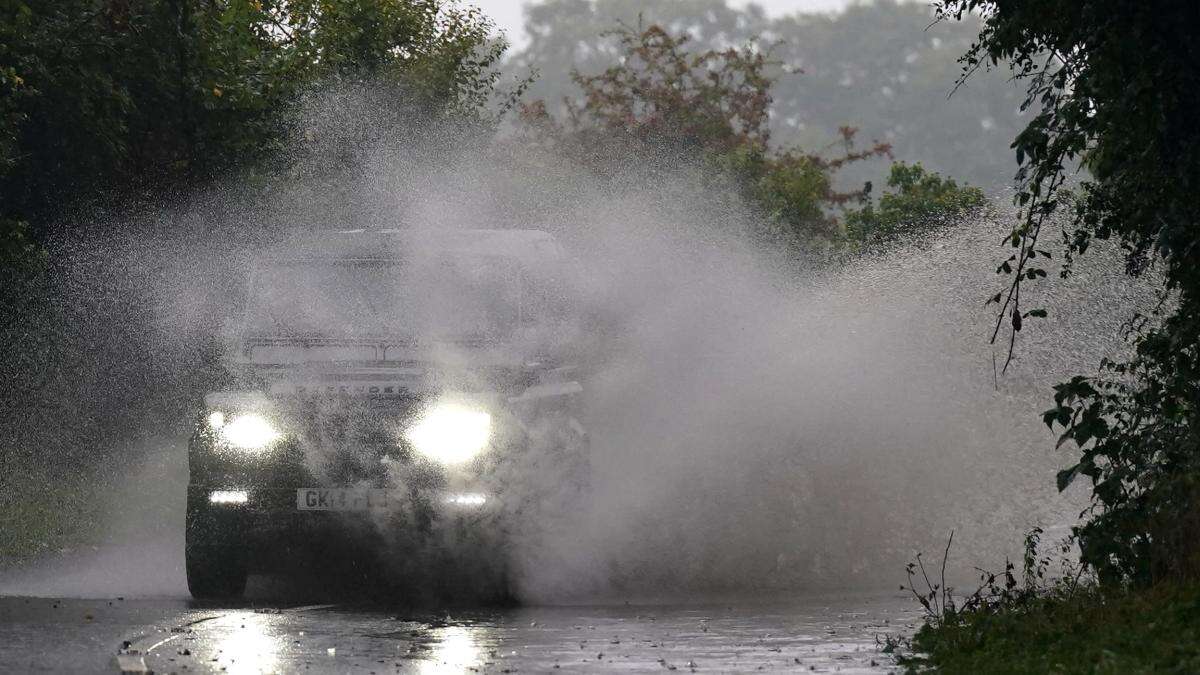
{"x": 345, "y": 438}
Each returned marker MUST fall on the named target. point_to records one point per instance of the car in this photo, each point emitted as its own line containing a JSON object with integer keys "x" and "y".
{"x": 400, "y": 402}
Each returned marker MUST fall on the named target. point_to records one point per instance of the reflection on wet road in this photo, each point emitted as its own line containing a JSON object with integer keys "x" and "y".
{"x": 819, "y": 634}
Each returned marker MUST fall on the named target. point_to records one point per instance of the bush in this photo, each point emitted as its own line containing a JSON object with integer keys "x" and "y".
{"x": 1089, "y": 631}
{"x": 918, "y": 201}
{"x": 1044, "y": 623}
{"x": 1114, "y": 88}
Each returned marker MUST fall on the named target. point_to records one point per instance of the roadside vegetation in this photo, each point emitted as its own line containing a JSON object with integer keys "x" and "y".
{"x": 1029, "y": 619}
{"x": 1112, "y": 88}
{"x": 1056, "y": 631}
{"x": 915, "y": 200}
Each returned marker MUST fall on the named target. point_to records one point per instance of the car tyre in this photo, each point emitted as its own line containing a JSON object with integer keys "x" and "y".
{"x": 215, "y": 568}
{"x": 214, "y": 572}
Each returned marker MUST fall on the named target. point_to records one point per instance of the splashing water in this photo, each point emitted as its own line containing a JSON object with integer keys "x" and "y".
{"x": 757, "y": 421}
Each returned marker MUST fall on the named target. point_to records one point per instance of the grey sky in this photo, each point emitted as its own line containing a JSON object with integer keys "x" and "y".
{"x": 508, "y": 13}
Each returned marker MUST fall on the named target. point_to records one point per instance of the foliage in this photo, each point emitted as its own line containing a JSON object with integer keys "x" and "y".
{"x": 1116, "y": 87}
{"x": 46, "y": 511}
{"x": 20, "y": 257}
{"x": 996, "y": 592}
{"x": 1086, "y": 630}
{"x": 440, "y": 54}
{"x": 101, "y": 98}
{"x": 918, "y": 199}
{"x": 661, "y": 93}
{"x": 879, "y": 67}
{"x": 668, "y": 106}
{"x": 1047, "y": 622}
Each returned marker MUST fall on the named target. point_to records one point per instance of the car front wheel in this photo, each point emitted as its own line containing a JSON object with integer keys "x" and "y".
{"x": 215, "y": 564}
{"x": 214, "y": 572}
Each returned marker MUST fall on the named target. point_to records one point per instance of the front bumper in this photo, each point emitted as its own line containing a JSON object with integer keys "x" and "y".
{"x": 270, "y": 532}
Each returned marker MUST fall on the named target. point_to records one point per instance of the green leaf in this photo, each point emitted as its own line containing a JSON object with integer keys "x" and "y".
{"x": 1066, "y": 477}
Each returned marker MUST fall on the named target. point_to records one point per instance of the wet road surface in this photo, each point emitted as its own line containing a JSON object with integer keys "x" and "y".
{"x": 834, "y": 633}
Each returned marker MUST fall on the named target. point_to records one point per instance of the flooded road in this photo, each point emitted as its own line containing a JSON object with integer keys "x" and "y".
{"x": 834, "y": 633}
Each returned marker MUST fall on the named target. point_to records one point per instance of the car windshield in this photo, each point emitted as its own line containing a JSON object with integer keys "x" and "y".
{"x": 443, "y": 297}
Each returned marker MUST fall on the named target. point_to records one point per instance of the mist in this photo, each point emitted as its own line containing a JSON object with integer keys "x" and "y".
{"x": 760, "y": 424}
{"x": 759, "y": 420}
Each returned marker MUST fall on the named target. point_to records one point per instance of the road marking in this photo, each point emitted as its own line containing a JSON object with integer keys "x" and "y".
{"x": 162, "y": 642}
{"x": 133, "y": 658}
{"x": 309, "y": 608}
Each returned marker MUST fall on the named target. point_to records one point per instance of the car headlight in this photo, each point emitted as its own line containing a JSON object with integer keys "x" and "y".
{"x": 246, "y": 432}
{"x": 451, "y": 433}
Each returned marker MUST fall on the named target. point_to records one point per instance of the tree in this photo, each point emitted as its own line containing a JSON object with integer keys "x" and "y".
{"x": 918, "y": 200}
{"x": 664, "y": 106}
{"x": 1116, "y": 86}
{"x": 107, "y": 99}
{"x": 879, "y": 67}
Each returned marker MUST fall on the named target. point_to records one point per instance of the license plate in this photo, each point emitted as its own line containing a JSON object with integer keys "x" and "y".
{"x": 342, "y": 499}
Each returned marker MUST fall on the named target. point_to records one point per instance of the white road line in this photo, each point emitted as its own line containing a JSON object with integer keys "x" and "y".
{"x": 162, "y": 642}
{"x": 133, "y": 659}
{"x": 309, "y": 608}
